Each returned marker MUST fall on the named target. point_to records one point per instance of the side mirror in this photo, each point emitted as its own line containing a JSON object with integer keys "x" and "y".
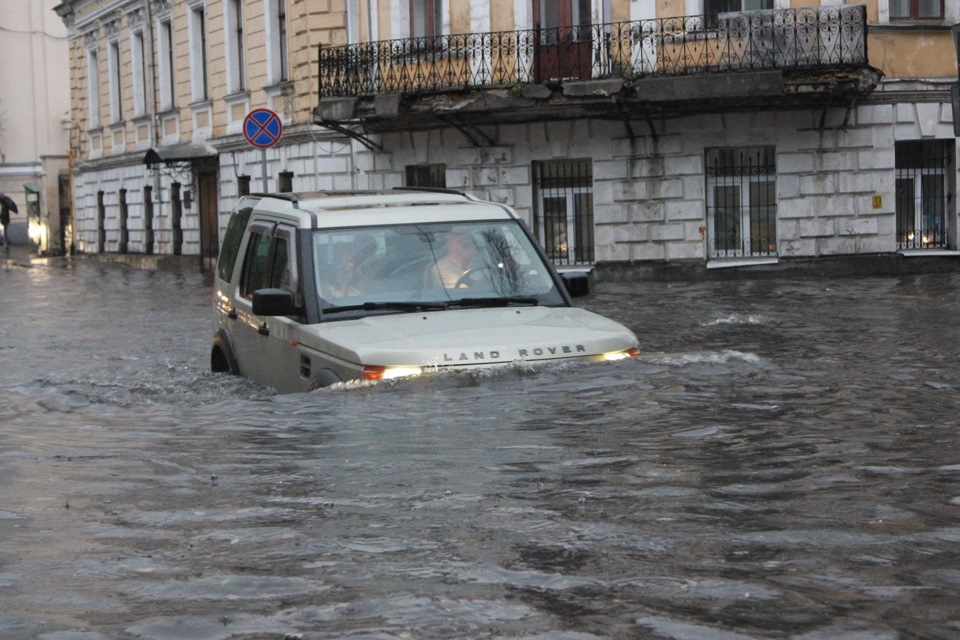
{"x": 577, "y": 283}
{"x": 274, "y": 302}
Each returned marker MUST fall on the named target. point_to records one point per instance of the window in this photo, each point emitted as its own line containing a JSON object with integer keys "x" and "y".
{"x": 742, "y": 202}
{"x": 139, "y": 74}
{"x": 923, "y": 170}
{"x": 198, "y": 54}
{"x": 236, "y": 80}
{"x": 231, "y": 242}
{"x": 426, "y": 175}
{"x": 563, "y": 209}
{"x": 277, "y": 46}
{"x": 426, "y": 18}
{"x": 116, "y": 77}
{"x": 916, "y": 9}
{"x": 166, "y": 64}
{"x": 713, "y": 7}
{"x": 270, "y": 260}
{"x": 93, "y": 87}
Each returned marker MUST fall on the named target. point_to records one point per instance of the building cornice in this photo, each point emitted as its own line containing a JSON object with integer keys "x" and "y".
{"x": 105, "y": 11}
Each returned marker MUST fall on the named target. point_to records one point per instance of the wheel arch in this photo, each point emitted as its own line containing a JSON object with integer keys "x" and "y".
{"x": 223, "y": 356}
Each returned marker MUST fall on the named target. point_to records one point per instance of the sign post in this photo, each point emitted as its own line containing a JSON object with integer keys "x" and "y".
{"x": 262, "y": 128}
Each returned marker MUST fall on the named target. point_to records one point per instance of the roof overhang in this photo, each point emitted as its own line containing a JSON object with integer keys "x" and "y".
{"x": 173, "y": 153}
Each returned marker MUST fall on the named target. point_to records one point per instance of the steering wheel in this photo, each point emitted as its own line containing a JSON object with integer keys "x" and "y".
{"x": 464, "y": 280}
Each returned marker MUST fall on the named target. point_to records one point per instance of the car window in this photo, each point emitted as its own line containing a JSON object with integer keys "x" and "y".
{"x": 256, "y": 267}
{"x": 430, "y": 263}
{"x": 270, "y": 260}
{"x": 231, "y": 242}
{"x": 284, "y": 270}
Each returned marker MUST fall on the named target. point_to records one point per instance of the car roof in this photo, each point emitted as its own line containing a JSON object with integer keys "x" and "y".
{"x": 370, "y": 208}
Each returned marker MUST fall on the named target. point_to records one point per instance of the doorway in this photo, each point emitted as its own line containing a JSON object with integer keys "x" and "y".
{"x": 564, "y": 40}
{"x": 207, "y": 202}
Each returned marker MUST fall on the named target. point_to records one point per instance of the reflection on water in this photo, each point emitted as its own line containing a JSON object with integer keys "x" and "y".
{"x": 781, "y": 462}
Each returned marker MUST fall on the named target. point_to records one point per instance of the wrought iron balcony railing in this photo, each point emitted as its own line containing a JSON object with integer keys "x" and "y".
{"x": 789, "y": 39}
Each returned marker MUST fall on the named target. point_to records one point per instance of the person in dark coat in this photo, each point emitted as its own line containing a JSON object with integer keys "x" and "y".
{"x": 5, "y": 223}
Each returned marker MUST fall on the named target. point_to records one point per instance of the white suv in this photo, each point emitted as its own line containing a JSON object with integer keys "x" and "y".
{"x": 317, "y": 288}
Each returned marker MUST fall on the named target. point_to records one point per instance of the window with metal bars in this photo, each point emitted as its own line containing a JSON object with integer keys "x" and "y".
{"x": 923, "y": 192}
{"x": 742, "y": 202}
{"x": 426, "y": 175}
{"x": 563, "y": 210}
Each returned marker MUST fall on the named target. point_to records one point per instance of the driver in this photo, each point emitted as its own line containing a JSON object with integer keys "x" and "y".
{"x": 459, "y": 258}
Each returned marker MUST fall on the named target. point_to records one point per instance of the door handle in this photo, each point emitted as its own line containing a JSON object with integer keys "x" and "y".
{"x": 263, "y": 330}
{"x": 232, "y": 314}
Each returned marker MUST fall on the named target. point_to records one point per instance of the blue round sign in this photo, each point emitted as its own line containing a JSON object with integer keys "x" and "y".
{"x": 262, "y": 128}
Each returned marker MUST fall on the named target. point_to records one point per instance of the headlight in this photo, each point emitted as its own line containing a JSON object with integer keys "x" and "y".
{"x": 632, "y": 352}
{"x": 375, "y": 372}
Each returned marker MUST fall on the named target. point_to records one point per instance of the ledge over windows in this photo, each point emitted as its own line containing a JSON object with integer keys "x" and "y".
{"x": 178, "y": 153}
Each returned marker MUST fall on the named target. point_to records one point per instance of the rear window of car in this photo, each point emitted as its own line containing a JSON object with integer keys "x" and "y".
{"x": 231, "y": 242}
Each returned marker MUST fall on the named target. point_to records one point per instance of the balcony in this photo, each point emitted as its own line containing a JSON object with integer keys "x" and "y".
{"x": 667, "y": 67}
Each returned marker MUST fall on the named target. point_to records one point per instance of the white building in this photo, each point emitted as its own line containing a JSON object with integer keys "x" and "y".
{"x": 687, "y": 136}
{"x": 34, "y": 121}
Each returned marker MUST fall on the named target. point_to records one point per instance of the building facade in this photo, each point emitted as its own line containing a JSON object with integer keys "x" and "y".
{"x": 34, "y": 123}
{"x": 711, "y": 134}
{"x": 160, "y": 90}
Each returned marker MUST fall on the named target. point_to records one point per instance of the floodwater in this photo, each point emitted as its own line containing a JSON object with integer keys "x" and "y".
{"x": 782, "y": 462}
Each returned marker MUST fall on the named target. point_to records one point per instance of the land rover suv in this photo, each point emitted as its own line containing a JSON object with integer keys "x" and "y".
{"x": 313, "y": 289}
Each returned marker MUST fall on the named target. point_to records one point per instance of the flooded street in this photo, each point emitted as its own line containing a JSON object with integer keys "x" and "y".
{"x": 783, "y": 461}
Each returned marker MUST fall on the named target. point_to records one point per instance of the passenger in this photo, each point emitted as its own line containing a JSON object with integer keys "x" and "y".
{"x": 459, "y": 259}
{"x": 349, "y": 282}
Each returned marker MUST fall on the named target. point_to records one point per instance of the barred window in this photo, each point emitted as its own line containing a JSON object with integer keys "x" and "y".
{"x": 742, "y": 202}
{"x": 563, "y": 210}
{"x": 923, "y": 170}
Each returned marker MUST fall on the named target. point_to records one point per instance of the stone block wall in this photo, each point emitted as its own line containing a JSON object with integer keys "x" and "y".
{"x": 835, "y": 184}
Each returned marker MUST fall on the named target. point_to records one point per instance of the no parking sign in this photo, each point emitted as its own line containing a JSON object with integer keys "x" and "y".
{"x": 262, "y": 128}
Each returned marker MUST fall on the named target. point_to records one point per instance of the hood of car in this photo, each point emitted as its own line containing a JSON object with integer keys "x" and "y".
{"x": 472, "y": 337}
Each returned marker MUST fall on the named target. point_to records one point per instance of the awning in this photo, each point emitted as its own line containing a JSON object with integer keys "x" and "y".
{"x": 179, "y": 153}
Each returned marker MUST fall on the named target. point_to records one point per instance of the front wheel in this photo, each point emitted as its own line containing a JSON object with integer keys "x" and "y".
{"x": 222, "y": 357}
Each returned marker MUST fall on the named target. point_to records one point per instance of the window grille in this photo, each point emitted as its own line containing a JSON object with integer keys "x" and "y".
{"x": 923, "y": 192}
{"x": 426, "y": 175}
{"x": 563, "y": 210}
{"x": 742, "y": 202}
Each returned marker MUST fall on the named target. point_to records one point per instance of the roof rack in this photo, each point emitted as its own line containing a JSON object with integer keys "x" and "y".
{"x": 453, "y": 192}
{"x": 292, "y": 197}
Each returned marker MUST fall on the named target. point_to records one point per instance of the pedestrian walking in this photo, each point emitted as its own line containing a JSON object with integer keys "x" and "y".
{"x": 6, "y": 206}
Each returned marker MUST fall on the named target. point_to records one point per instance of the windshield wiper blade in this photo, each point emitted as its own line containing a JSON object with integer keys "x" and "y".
{"x": 494, "y": 302}
{"x": 388, "y": 306}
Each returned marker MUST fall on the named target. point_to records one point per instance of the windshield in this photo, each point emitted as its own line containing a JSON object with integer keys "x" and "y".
{"x": 429, "y": 266}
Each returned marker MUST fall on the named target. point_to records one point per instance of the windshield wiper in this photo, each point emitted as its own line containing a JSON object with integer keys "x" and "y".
{"x": 494, "y": 302}
{"x": 388, "y": 306}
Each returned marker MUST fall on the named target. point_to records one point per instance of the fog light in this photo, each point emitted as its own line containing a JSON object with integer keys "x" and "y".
{"x": 377, "y": 372}
{"x": 632, "y": 352}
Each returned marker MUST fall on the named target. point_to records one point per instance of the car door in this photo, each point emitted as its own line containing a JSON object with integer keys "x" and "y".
{"x": 267, "y": 346}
